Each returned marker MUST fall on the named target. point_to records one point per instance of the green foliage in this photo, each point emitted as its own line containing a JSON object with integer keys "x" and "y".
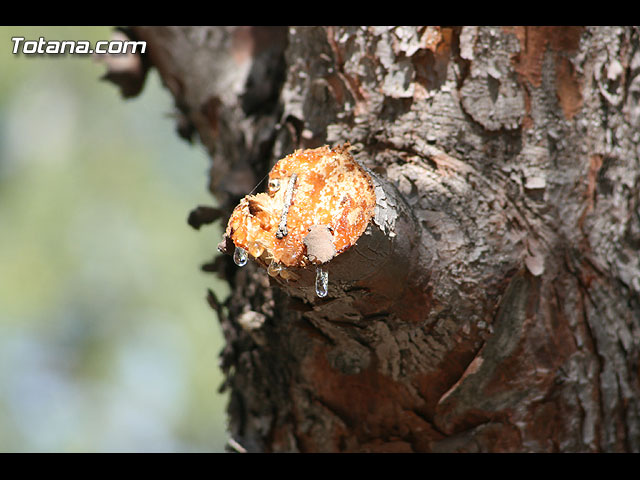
{"x": 106, "y": 340}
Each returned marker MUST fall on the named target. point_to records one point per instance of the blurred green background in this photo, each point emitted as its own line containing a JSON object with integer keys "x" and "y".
{"x": 106, "y": 340}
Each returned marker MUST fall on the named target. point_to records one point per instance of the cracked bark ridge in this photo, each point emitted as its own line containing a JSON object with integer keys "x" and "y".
{"x": 515, "y": 150}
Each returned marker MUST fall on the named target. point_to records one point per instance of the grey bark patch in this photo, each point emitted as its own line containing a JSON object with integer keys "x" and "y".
{"x": 493, "y": 103}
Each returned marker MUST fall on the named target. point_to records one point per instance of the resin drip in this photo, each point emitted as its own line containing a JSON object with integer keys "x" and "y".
{"x": 322, "y": 282}
{"x": 240, "y": 256}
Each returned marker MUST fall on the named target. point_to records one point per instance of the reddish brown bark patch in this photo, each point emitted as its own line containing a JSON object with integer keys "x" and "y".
{"x": 434, "y": 384}
{"x": 595, "y": 163}
{"x": 415, "y": 304}
{"x": 534, "y": 42}
{"x": 568, "y": 88}
{"x": 380, "y": 413}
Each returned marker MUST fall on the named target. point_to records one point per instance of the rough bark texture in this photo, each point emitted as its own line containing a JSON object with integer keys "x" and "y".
{"x": 517, "y": 151}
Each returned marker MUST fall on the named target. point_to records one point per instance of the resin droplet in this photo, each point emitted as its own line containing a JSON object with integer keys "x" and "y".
{"x": 274, "y": 268}
{"x": 322, "y": 282}
{"x": 240, "y": 256}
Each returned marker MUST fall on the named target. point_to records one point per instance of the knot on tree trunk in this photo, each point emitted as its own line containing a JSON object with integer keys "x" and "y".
{"x": 349, "y": 233}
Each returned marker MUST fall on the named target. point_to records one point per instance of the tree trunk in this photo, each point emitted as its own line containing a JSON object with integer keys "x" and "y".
{"x": 516, "y": 321}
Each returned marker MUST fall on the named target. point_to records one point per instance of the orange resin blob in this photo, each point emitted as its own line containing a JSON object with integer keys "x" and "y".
{"x": 330, "y": 189}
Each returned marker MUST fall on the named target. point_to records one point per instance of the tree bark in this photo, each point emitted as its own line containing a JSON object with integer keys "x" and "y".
{"x": 516, "y": 151}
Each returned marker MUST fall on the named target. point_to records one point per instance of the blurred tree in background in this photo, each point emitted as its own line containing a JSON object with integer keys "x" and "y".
{"x": 106, "y": 342}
